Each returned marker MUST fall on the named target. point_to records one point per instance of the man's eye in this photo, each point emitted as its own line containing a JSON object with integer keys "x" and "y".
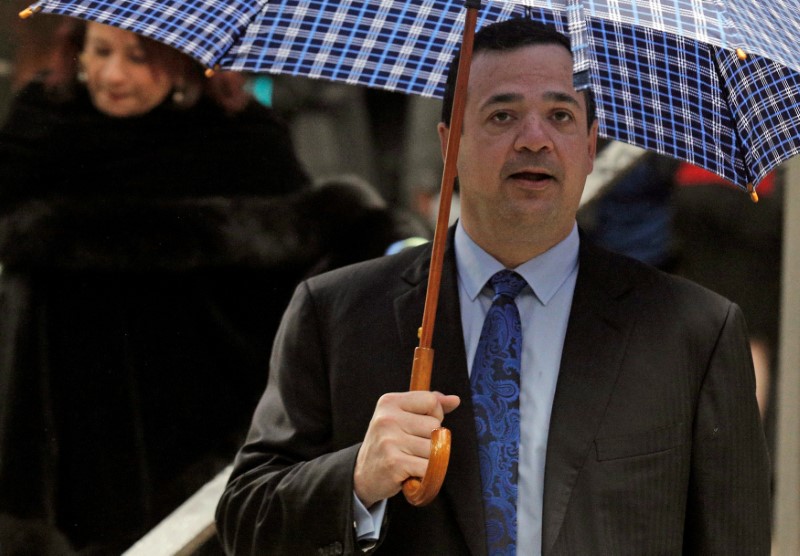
{"x": 562, "y": 116}
{"x": 501, "y": 116}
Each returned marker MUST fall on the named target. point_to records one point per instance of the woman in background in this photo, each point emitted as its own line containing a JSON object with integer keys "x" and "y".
{"x": 122, "y": 114}
{"x": 153, "y": 224}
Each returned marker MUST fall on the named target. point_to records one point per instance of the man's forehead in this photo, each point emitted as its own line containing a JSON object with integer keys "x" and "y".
{"x": 551, "y": 49}
{"x": 545, "y": 75}
{"x": 552, "y": 59}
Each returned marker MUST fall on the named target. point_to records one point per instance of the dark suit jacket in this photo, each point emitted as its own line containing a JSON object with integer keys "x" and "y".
{"x": 655, "y": 444}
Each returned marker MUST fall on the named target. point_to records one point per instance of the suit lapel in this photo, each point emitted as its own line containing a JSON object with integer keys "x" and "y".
{"x": 593, "y": 350}
{"x": 462, "y": 487}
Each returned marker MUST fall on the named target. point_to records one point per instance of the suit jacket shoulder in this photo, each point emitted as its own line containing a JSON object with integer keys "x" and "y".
{"x": 655, "y": 391}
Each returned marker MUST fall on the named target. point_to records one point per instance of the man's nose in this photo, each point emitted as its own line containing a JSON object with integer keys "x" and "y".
{"x": 534, "y": 135}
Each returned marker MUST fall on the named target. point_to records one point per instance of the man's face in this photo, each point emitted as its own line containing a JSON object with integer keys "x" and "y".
{"x": 525, "y": 149}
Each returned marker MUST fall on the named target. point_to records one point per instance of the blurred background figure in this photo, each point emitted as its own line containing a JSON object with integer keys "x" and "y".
{"x": 24, "y": 49}
{"x": 632, "y": 215}
{"x": 733, "y": 246}
{"x": 135, "y": 318}
{"x": 330, "y": 127}
{"x": 421, "y": 178}
{"x": 691, "y": 222}
{"x": 153, "y": 224}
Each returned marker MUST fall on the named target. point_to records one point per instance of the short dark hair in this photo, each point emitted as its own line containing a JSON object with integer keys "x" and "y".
{"x": 509, "y": 35}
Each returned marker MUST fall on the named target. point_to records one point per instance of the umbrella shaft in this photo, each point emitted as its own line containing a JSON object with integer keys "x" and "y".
{"x": 448, "y": 179}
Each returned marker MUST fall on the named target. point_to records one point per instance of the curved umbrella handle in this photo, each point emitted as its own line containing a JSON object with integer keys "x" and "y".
{"x": 422, "y": 491}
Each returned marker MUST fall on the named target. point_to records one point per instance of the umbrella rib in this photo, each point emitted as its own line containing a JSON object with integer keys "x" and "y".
{"x": 740, "y": 153}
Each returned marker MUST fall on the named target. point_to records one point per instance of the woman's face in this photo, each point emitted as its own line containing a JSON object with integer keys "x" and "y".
{"x": 122, "y": 79}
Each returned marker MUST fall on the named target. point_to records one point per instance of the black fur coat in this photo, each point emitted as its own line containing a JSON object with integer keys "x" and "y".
{"x": 145, "y": 267}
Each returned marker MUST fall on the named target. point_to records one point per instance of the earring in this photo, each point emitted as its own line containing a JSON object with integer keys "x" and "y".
{"x": 179, "y": 93}
{"x": 80, "y": 75}
{"x": 178, "y": 97}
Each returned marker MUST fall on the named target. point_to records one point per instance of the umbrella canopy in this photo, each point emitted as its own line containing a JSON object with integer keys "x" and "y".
{"x": 666, "y": 75}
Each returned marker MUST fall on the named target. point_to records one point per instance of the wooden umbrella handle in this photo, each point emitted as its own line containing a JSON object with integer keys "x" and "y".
{"x": 420, "y": 492}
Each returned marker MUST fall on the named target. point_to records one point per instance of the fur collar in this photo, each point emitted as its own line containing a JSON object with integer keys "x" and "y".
{"x": 336, "y": 222}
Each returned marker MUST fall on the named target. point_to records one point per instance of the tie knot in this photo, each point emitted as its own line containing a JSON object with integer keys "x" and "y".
{"x": 507, "y": 283}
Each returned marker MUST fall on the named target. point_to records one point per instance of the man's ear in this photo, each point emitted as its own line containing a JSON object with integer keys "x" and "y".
{"x": 593, "y": 132}
{"x": 444, "y": 134}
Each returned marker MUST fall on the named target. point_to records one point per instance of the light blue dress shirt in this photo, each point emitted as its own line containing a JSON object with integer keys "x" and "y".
{"x": 544, "y": 308}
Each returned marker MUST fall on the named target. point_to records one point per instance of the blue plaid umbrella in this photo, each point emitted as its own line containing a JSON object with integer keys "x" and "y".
{"x": 666, "y": 74}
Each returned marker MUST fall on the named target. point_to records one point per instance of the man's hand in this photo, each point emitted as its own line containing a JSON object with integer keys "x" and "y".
{"x": 398, "y": 442}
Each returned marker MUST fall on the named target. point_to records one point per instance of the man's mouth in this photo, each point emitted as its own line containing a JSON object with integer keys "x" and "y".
{"x": 531, "y": 176}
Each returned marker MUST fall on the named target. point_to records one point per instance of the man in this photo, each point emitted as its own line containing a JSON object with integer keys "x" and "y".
{"x": 638, "y": 427}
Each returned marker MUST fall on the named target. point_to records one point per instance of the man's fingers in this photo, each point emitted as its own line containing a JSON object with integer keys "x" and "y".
{"x": 397, "y": 426}
{"x": 434, "y": 404}
{"x": 397, "y": 444}
{"x": 421, "y": 403}
{"x": 448, "y": 402}
{"x": 418, "y": 447}
{"x": 418, "y": 468}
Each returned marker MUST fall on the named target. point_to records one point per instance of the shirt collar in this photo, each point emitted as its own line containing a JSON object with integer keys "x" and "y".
{"x": 544, "y": 273}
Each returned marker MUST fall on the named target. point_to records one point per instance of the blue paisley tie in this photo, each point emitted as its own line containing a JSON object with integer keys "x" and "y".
{"x": 495, "y": 396}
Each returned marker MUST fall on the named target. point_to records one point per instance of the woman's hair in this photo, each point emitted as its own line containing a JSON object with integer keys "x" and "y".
{"x": 224, "y": 88}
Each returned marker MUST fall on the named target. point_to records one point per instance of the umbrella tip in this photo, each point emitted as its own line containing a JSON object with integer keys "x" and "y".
{"x": 753, "y": 195}
{"x": 210, "y": 72}
{"x": 741, "y": 54}
{"x": 29, "y": 11}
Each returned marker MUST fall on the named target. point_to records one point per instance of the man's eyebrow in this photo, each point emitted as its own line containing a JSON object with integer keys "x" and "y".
{"x": 557, "y": 96}
{"x": 502, "y": 98}
{"x": 551, "y": 96}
